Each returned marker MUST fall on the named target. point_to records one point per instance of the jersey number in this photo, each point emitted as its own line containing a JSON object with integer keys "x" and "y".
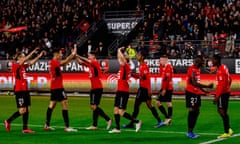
{"x": 20, "y": 101}
{"x": 193, "y": 100}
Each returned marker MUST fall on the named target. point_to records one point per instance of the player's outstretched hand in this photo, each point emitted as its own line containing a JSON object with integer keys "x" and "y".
{"x": 121, "y": 48}
{"x": 42, "y": 53}
{"x": 75, "y": 46}
{"x": 74, "y": 50}
{"x": 36, "y": 49}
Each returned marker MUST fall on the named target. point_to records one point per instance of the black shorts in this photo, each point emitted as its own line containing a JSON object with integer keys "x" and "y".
{"x": 95, "y": 96}
{"x": 58, "y": 95}
{"x": 192, "y": 100}
{"x": 121, "y": 99}
{"x": 166, "y": 98}
{"x": 142, "y": 95}
{"x": 22, "y": 99}
{"x": 223, "y": 101}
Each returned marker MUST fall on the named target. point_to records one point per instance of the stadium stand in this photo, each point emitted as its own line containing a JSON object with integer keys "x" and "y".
{"x": 180, "y": 28}
{"x": 186, "y": 28}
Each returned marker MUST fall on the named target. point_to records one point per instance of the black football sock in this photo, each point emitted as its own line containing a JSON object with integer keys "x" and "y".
{"x": 103, "y": 114}
{"x": 225, "y": 119}
{"x": 25, "y": 119}
{"x": 14, "y": 116}
{"x": 155, "y": 114}
{"x": 128, "y": 116}
{"x": 95, "y": 117}
{"x": 195, "y": 117}
{"x": 163, "y": 111}
{"x": 49, "y": 115}
{"x": 117, "y": 120}
{"x": 136, "y": 109}
{"x": 190, "y": 121}
{"x": 65, "y": 117}
{"x": 170, "y": 111}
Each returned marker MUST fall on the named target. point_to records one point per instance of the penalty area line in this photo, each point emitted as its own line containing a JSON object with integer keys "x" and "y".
{"x": 220, "y": 139}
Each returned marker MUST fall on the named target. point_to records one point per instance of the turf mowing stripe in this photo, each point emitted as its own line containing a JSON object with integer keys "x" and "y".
{"x": 221, "y": 139}
{"x": 151, "y": 131}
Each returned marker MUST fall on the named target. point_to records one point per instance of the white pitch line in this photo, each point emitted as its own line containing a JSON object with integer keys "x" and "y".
{"x": 172, "y": 132}
{"x": 148, "y": 131}
{"x": 220, "y": 139}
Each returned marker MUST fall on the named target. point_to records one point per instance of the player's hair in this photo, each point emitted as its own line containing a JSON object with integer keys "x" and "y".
{"x": 164, "y": 56}
{"x": 92, "y": 52}
{"x": 56, "y": 50}
{"x": 198, "y": 60}
{"x": 143, "y": 53}
{"x": 199, "y": 57}
{"x": 17, "y": 55}
{"x": 218, "y": 58}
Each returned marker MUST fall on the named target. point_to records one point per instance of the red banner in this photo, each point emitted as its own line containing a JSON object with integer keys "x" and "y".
{"x": 14, "y": 29}
{"x": 79, "y": 82}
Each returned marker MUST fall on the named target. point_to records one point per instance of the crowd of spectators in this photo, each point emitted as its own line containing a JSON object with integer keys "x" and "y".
{"x": 184, "y": 28}
{"x": 180, "y": 28}
{"x": 50, "y": 23}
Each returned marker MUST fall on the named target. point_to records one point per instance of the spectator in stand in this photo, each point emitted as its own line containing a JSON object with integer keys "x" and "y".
{"x": 131, "y": 51}
{"x": 142, "y": 47}
{"x": 188, "y": 51}
{"x": 147, "y": 31}
{"x": 175, "y": 51}
{"x": 230, "y": 44}
{"x": 89, "y": 47}
{"x": 222, "y": 42}
{"x": 101, "y": 50}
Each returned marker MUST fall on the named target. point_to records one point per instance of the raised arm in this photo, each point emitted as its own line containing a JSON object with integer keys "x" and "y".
{"x": 26, "y": 58}
{"x": 83, "y": 58}
{"x": 70, "y": 57}
{"x": 37, "y": 58}
{"x": 78, "y": 60}
{"x": 120, "y": 56}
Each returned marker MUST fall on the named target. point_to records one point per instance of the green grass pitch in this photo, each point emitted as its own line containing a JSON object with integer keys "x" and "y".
{"x": 209, "y": 124}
